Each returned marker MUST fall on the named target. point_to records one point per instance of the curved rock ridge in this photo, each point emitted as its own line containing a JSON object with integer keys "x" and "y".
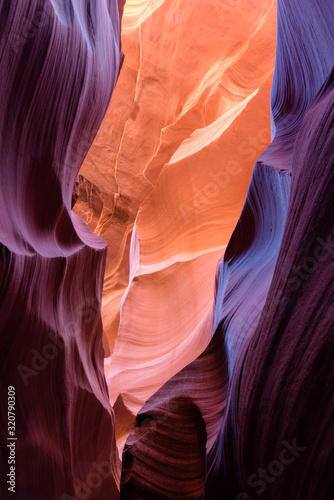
{"x": 59, "y": 62}
{"x": 51, "y": 352}
{"x": 37, "y": 212}
{"x": 285, "y": 394}
{"x": 170, "y": 168}
{"x": 259, "y": 242}
{"x": 241, "y": 299}
{"x": 185, "y": 463}
{"x": 311, "y": 67}
{"x": 173, "y": 336}
{"x": 259, "y": 293}
{"x": 208, "y": 379}
{"x": 304, "y": 57}
{"x": 137, "y": 11}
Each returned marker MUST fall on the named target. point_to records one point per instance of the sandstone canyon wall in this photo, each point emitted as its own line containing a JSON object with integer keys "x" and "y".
{"x": 59, "y": 62}
{"x": 167, "y": 175}
{"x": 174, "y": 297}
{"x": 259, "y": 394}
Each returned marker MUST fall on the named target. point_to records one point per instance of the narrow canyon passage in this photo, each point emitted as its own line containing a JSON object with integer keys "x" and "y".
{"x": 166, "y": 292}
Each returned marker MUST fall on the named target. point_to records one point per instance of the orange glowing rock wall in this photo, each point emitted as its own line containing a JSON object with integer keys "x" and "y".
{"x": 166, "y": 178}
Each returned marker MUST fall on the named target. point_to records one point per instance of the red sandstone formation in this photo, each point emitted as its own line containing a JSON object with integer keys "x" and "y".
{"x": 166, "y": 177}
{"x": 270, "y": 399}
{"x": 224, "y": 371}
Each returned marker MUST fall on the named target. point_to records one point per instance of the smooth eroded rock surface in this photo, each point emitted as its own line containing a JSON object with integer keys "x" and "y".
{"x": 270, "y": 400}
{"x": 169, "y": 172}
{"x": 59, "y": 62}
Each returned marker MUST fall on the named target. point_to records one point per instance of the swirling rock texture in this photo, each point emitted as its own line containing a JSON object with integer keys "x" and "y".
{"x": 232, "y": 362}
{"x": 59, "y": 61}
{"x": 263, "y": 386}
{"x": 167, "y": 175}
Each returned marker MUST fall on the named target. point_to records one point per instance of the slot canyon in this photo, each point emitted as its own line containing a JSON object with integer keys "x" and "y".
{"x": 167, "y": 177}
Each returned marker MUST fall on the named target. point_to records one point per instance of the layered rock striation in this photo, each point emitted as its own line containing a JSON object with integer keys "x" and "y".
{"x": 167, "y": 175}
{"x": 59, "y": 62}
{"x": 223, "y": 371}
{"x": 269, "y": 423}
